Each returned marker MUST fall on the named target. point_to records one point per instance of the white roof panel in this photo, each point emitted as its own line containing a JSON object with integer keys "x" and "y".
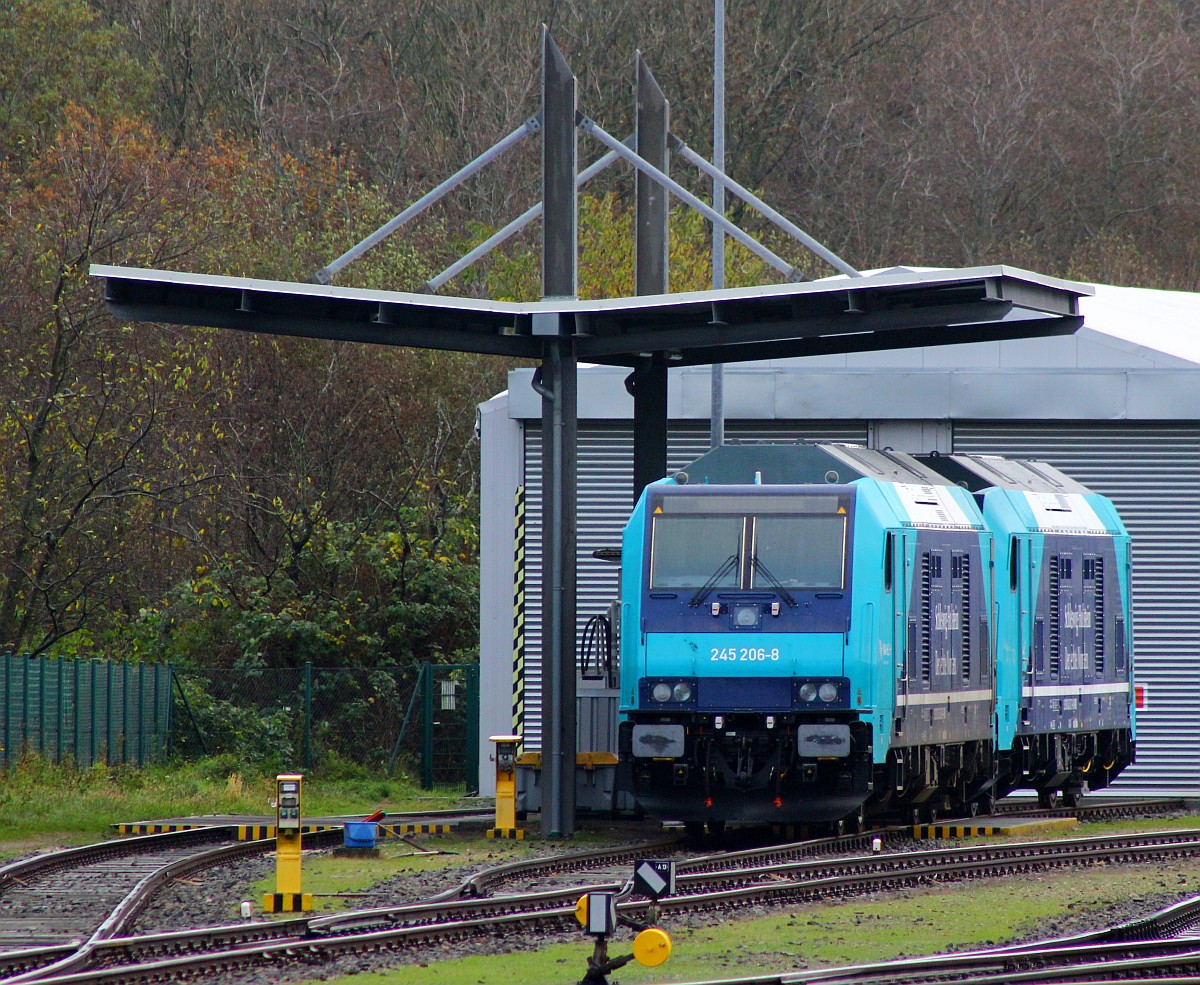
{"x": 1166, "y": 321}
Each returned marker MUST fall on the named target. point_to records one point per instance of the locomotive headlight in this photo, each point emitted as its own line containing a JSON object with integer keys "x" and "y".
{"x": 808, "y": 692}
{"x": 828, "y": 691}
{"x": 746, "y": 616}
{"x": 661, "y": 692}
{"x": 682, "y": 692}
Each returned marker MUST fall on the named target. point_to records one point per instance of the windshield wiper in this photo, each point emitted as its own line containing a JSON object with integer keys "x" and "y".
{"x": 726, "y": 566}
{"x": 774, "y": 582}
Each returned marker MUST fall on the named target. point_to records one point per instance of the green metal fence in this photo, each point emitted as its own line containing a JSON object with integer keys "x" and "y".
{"x": 89, "y": 711}
{"x": 420, "y": 720}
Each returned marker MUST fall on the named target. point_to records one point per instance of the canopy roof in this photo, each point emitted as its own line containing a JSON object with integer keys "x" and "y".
{"x": 892, "y": 309}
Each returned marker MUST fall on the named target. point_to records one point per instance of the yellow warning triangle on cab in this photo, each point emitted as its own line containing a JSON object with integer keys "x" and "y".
{"x": 658, "y": 509}
{"x": 841, "y": 509}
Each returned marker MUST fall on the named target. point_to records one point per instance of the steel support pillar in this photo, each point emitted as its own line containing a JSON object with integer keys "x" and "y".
{"x": 556, "y": 383}
{"x": 648, "y": 383}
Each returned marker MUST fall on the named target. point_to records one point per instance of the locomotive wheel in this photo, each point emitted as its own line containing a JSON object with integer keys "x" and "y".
{"x": 1071, "y": 799}
{"x": 1047, "y": 799}
{"x": 987, "y": 803}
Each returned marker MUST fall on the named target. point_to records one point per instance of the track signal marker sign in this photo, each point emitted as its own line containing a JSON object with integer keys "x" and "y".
{"x": 654, "y": 878}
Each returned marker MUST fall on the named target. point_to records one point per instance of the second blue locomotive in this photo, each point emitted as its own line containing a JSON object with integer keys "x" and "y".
{"x": 818, "y": 632}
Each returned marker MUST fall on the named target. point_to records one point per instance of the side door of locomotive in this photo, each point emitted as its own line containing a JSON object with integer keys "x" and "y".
{"x": 898, "y": 633}
{"x": 1030, "y": 642}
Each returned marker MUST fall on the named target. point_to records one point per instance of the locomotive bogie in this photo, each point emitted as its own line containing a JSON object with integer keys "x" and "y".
{"x": 745, "y": 768}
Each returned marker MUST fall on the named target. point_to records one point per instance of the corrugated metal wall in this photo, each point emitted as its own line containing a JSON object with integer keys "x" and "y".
{"x": 1151, "y": 471}
{"x": 605, "y": 467}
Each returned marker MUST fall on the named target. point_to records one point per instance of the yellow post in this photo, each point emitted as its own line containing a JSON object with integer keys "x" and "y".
{"x": 287, "y": 896}
{"x": 506, "y": 787}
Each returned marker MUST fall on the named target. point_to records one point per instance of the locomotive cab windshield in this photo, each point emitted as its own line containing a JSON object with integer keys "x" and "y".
{"x": 748, "y": 543}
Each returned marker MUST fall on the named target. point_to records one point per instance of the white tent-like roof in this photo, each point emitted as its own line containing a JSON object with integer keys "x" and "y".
{"x": 1166, "y": 322}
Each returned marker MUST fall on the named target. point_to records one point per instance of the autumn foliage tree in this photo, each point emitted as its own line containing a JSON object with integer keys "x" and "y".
{"x": 259, "y": 501}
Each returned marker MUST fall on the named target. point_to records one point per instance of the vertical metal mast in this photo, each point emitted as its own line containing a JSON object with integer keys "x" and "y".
{"x": 556, "y": 382}
{"x": 648, "y": 381}
{"x": 717, "y": 411}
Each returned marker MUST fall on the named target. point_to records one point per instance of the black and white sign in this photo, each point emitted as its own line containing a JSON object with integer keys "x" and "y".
{"x": 654, "y": 878}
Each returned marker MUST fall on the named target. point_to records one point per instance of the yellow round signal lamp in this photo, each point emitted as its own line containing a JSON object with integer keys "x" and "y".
{"x": 651, "y": 947}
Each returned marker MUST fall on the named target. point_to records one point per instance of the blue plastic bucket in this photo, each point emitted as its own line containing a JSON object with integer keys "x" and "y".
{"x": 359, "y": 834}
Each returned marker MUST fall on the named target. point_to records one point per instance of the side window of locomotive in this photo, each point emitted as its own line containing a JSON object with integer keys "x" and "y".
{"x": 1014, "y": 557}
{"x": 693, "y": 551}
{"x": 889, "y": 547}
{"x": 799, "y": 552}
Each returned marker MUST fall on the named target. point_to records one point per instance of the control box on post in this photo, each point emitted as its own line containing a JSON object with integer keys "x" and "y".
{"x": 287, "y": 896}
{"x": 506, "y": 787}
{"x": 287, "y": 801}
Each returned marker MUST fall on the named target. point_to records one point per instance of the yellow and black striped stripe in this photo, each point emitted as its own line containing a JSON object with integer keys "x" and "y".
{"x": 255, "y": 832}
{"x": 519, "y": 550}
{"x": 396, "y": 830}
{"x": 956, "y": 830}
{"x": 143, "y": 828}
{"x": 287, "y": 902}
{"x": 516, "y": 834}
{"x": 518, "y": 704}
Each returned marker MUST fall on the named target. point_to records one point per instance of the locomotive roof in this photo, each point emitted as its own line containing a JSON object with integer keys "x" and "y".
{"x": 979, "y": 472}
{"x": 800, "y": 462}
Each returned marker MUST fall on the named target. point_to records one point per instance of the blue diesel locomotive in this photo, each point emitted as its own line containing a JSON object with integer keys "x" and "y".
{"x": 820, "y": 632}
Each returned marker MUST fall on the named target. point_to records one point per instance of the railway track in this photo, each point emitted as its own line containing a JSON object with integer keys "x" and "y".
{"x": 1162, "y": 947}
{"x": 52, "y": 898}
{"x": 1094, "y": 811}
{"x": 705, "y": 883}
{"x": 60, "y": 906}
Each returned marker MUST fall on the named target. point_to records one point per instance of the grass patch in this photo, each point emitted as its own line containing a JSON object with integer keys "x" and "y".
{"x": 328, "y": 875}
{"x": 43, "y": 804}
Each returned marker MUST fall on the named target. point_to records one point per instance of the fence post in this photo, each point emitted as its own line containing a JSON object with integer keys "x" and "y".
{"x": 125, "y": 718}
{"x": 25, "y": 703}
{"x": 426, "y": 727}
{"x": 110, "y": 719}
{"x": 60, "y": 722}
{"x": 7, "y": 706}
{"x": 472, "y": 776}
{"x": 162, "y": 717}
{"x": 41, "y": 729}
{"x": 76, "y": 692}
{"x": 93, "y": 686}
{"x": 307, "y": 716}
{"x": 169, "y": 708}
{"x": 141, "y": 714}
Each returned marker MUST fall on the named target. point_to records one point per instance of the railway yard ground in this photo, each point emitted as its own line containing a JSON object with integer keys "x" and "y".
{"x": 771, "y": 928}
{"x": 748, "y": 941}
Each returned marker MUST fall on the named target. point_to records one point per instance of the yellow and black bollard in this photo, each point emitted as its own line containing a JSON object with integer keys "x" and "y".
{"x": 287, "y": 897}
{"x": 506, "y": 787}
